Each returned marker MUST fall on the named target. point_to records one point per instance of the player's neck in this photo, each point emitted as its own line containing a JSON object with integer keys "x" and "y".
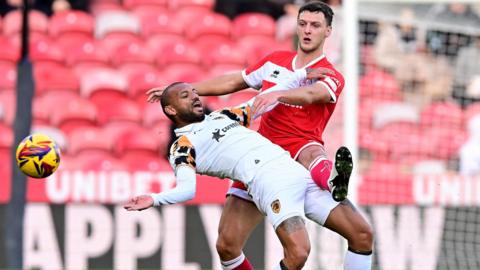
{"x": 303, "y": 58}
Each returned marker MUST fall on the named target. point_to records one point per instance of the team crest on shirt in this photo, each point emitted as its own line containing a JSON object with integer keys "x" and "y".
{"x": 276, "y": 206}
{"x": 275, "y": 74}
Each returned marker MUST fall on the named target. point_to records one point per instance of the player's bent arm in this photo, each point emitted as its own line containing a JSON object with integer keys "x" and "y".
{"x": 313, "y": 94}
{"x": 221, "y": 85}
{"x": 183, "y": 191}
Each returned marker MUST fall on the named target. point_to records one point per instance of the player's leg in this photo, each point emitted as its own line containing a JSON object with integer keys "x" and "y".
{"x": 239, "y": 219}
{"x": 344, "y": 219}
{"x": 296, "y": 245}
{"x": 327, "y": 175}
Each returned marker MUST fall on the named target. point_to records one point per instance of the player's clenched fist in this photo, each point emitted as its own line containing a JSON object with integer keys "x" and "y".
{"x": 139, "y": 203}
{"x": 155, "y": 94}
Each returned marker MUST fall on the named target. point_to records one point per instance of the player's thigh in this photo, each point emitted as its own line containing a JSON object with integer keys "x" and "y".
{"x": 348, "y": 222}
{"x": 310, "y": 153}
{"x": 239, "y": 218}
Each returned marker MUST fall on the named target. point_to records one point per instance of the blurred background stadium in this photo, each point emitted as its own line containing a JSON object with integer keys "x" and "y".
{"x": 410, "y": 112}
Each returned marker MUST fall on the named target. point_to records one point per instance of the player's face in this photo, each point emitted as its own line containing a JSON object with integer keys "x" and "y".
{"x": 312, "y": 29}
{"x": 187, "y": 104}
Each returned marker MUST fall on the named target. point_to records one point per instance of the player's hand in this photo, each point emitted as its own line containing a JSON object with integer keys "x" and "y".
{"x": 318, "y": 73}
{"x": 155, "y": 94}
{"x": 139, "y": 203}
{"x": 264, "y": 103}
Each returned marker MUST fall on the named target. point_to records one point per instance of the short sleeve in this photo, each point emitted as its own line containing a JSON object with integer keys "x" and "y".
{"x": 182, "y": 153}
{"x": 241, "y": 114}
{"x": 254, "y": 74}
{"x": 334, "y": 84}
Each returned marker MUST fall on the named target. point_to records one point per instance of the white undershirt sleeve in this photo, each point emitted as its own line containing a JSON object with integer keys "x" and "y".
{"x": 184, "y": 191}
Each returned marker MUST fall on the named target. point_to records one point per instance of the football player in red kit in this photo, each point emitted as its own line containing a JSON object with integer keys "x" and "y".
{"x": 296, "y": 123}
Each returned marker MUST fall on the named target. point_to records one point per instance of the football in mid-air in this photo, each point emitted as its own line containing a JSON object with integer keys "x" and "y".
{"x": 38, "y": 156}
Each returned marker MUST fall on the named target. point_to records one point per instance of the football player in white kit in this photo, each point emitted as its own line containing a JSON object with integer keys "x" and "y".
{"x": 220, "y": 145}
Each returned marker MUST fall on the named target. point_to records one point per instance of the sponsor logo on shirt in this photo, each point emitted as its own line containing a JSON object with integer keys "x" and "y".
{"x": 217, "y": 135}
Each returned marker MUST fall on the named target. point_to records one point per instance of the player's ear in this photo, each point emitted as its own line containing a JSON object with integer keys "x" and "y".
{"x": 170, "y": 110}
{"x": 329, "y": 31}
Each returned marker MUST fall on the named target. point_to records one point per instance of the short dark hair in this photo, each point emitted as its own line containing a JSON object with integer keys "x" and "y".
{"x": 317, "y": 6}
{"x": 165, "y": 98}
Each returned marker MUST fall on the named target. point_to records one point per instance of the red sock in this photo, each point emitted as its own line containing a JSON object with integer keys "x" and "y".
{"x": 245, "y": 265}
{"x": 239, "y": 263}
{"x": 320, "y": 172}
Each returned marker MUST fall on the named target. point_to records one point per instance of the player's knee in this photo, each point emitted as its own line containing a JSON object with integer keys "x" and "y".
{"x": 297, "y": 256}
{"x": 227, "y": 247}
{"x": 363, "y": 239}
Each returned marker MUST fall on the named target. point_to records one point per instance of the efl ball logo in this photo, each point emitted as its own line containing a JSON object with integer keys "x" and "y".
{"x": 38, "y": 156}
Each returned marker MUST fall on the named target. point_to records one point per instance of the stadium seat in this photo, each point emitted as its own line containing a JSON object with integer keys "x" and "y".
{"x": 379, "y": 85}
{"x": 395, "y": 112}
{"x": 9, "y": 52}
{"x": 132, "y": 53}
{"x": 86, "y": 52}
{"x": 446, "y": 114}
{"x": 224, "y": 53}
{"x": 153, "y": 114}
{"x": 45, "y": 50}
{"x": 6, "y": 137}
{"x": 54, "y": 77}
{"x": 12, "y": 22}
{"x": 91, "y": 160}
{"x": 106, "y": 82}
{"x": 132, "y": 4}
{"x": 209, "y": 25}
{"x": 192, "y": 13}
{"x": 114, "y": 40}
{"x": 76, "y": 113}
{"x": 184, "y": 73}
{"x": 8, "y": 76}
{"x": 143, "y": 11}
{"x": 159, "y": 41}
{"x": 253, "y": 24}
{"x": 446, "y": 140}
{"x": 56, "y": 134}
{"x": 116, "y": 22}
{"x": 177, "y": 53}
{"x": 72, "y": 21}
{"x": 140, "y": 140}
{"x": 89, "y": 138}
{"x": 178, "y": 4}
{"x": 142, "y": 162}
{"x": 141, "y": 81}
{"x": 8, "y": 102}
{"x": 111, "y": 108}
{"x": 240, "y": 97}
{"x": 98, "y": 8}
{"x": 161, "y": 23}
{"x": 257, "y": 47}
{"x": 221, "y": 69}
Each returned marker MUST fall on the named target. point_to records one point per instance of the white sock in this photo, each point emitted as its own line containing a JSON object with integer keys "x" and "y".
{"x": 355, "y": 261}
{"x": 232, "y": 264}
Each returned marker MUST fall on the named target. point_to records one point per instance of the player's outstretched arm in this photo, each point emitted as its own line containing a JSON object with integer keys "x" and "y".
{"x": 183, "y": 191}
{"x": 220, "y": 85}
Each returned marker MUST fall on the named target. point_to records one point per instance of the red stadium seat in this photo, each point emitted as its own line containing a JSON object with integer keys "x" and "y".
{"x": 12, "y": 23}
{"x": 89, "y": 139}
{"x": 177, "y": 4}
{"x": 186, "y": 73}
{"x": 98, "y": 8}
{"x": 379, "y": 85}
{"x": 447, "y": 141}
{"x": 153, "y": 114}
{"x": 68, "y": 40}
{"x": 71, "y": 22}
{"x": 54, "y": 77}
{"x": 8, "y": 103}
{"x": 142, "y": 162}
{"x": 143, "y": 11}
{"x": 6, "y": 137}
{"x": 114, "y": 40}
{"x": 46, "y": 51}
{"x": 118, "y": 108}
{"x": 132, "y": 4}
{"x": 8, "y": 76}
{"x": 116, "y": 22}
{"x": 141, "y": 81}
{"x": 99, "y": 161}
{"x": 86, "y": 52}
{"x": 221, "y": 69}
{"x": 255, "y": 24}
{"x": 140, "y": 140}
{"x": 159, "y": 41}
{"x": 76, "y": 114}
{"x": 42, "y": 104}
{"x": 178, "y": 53}
{"x": 132, "y": 53}
{"x": 257, "y": 47}
{"x": 446, "y": 114}
{"x": 104, "y": 82}
{"x": 240, "y": 97}
{"x": 9, "y": 52}
{"x": 192, "y": 13}
{"x": 210, "y": 25}
{"x": 161, "y": 23}
{"x": 224, "y": 53}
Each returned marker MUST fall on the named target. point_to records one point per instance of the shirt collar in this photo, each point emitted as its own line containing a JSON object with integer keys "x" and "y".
{"x": 309, "y": 63}
{"x": 190, "y": 128}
